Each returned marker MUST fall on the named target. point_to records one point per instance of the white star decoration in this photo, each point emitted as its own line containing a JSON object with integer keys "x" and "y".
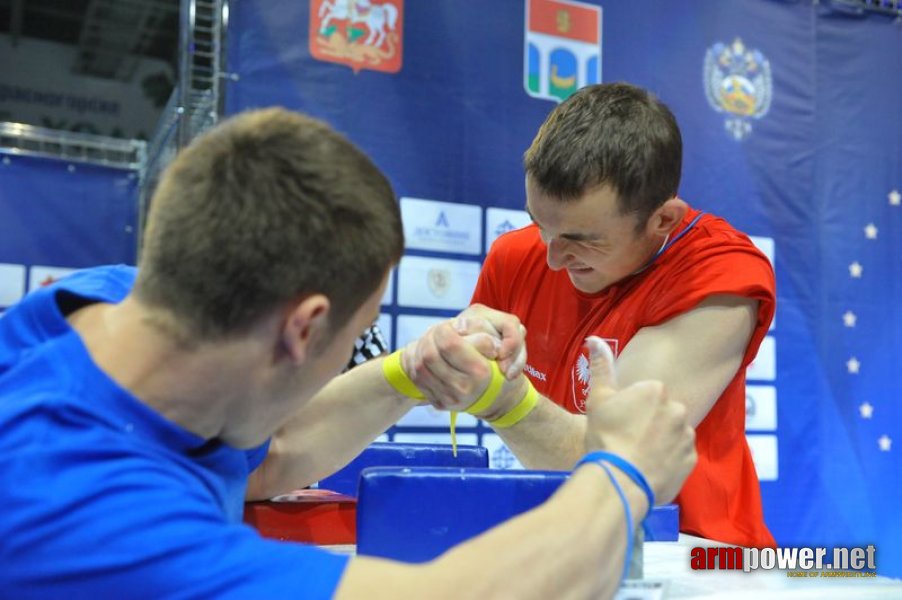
{"x": 895, "y": 198}
{"x": 853, "y": 365}
{"x": 866, "y": 410}
{"x": 885, "y": 443}
{"x": 849, "y": 319}
{"x": 855, "y": 270}
{"x": 870, "y": 231}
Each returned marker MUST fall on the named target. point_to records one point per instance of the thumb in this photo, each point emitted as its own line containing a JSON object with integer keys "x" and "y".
{"x": 601, "y": 366}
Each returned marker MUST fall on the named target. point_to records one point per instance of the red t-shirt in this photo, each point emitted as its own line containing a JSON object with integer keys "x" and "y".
{"x": 721, "y": 499}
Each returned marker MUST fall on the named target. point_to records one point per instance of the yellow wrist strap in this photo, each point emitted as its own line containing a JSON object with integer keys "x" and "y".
{"x": 486, "y": 400}
{"x": 519, "y": 412}
{"x": 491, "y": 392}
{"x": 398, "y": 379}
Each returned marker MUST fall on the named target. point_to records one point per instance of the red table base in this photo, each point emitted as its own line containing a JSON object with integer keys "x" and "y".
{"x": 311, "y": 516}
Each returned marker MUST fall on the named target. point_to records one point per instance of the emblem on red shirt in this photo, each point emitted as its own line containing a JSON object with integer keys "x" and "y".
{"x": 581, "y": 374}
{"x": 363, "y": 34}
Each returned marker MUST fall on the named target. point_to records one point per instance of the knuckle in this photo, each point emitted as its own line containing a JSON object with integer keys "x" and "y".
{"x": 461, "y": 389}
{"x": 452, "y": 343}
{"x": 428, "y": 356}
{"x": 481, "y": 370}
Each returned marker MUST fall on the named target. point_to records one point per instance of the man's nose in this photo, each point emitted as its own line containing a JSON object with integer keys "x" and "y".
{"x": 557, "y": 254}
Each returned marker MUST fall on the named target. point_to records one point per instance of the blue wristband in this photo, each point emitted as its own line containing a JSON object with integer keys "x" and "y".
{"x": 628, "y": 555}
{"x": 601, "y": 456}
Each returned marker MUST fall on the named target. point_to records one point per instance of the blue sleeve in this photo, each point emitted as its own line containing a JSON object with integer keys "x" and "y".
{"x": 255, "y": 456}
{"x": 97, "y": 521}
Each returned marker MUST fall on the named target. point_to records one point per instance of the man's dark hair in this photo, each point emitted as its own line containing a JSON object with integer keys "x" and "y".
{"x": 614, "y": 134}
{"x": 266, "y": 208}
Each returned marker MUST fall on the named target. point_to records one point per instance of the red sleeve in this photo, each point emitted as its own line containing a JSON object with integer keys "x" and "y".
{"x": 732, "y": 266}
{"x": 484, "y": 292}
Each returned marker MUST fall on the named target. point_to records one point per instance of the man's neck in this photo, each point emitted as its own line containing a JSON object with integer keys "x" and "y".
{"x": 192, "y": 387}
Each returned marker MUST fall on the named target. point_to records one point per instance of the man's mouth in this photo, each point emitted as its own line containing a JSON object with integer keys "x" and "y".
{"x": 579, "y": 270}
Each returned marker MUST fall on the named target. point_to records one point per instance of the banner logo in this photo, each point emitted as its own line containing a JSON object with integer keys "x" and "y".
{"x": 562, "y": 49}
{"x": 363, "y": 34}
{"x": 442, "y": 226}
{"x": 439, "y": 281}
{"x": 738, "y": 82}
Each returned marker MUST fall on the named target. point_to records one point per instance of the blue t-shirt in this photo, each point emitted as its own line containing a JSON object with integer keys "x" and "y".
{"x": 100, "y": 496}
{"x": 38, "y": 317}
{"x": 41, "y": 315}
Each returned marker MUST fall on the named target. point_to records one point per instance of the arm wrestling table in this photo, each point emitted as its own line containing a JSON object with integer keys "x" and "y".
{"x": 414, "y": 513}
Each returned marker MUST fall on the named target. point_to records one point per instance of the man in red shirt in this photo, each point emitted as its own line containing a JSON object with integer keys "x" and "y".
{"x": 680, "y": 296}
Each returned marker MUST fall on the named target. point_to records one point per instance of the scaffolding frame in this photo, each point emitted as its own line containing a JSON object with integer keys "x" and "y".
{"x": 197, "y": 101}
{"x": 29, "y": 140}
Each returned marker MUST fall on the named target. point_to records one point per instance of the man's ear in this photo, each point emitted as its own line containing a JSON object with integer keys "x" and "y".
{"x": 307, "y": 322}
{"x": 667, "y": 217}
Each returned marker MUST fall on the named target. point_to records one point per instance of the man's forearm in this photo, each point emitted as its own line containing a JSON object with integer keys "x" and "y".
{"x": 548, "y": 438}
{"x": 327, "y": 433}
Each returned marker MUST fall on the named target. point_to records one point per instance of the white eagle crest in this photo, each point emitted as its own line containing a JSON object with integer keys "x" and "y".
{"x": 582, "y": 370}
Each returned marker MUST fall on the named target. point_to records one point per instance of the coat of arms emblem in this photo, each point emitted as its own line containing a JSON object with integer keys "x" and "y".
{"x": 563, "y": 47}
{"x": 439, "y": 281}
{"x": 363, "y": 34}
{"x": 738, "y": 82}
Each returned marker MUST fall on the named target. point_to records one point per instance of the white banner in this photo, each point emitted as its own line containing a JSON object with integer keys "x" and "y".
{"x": 389, "y": 295}
{"x": 463, "y": 439}
{"x": 427, "y": 416}
{"x": 761, "y": 408}
{"x": 764, "y": 367}
{"x": 384, "y": 322}
{"x": 12, "y": 283}
{"x": 500, "y": 456}
{"x": 442, "y": 226}
{"x": 766, "y": 245}
{"x": 436, "y": 283}
{"x": 764, "y": 454}
{"x": 411, "y": 327}
{"x": 499, "y": 221}
{"x": 40, "y": 275}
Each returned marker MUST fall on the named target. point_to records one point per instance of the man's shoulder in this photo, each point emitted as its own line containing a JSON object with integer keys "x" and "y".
{"x": 110, "y": 283}
{"x": 520, "y": 240}
{"x": 718, "y": 229}
{"x": 716, "y": 238}
{"x": 101, "y": 284}
{"x": 711, "y": 258}
{"x": 518, "y": 248}
{"x": 38, "y": 318}
{"x": 42, "y": 380}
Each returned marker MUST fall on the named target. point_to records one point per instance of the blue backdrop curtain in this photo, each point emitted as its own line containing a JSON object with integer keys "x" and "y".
{"x": 792, "y": 128}
{"x": 57, "y": 216}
